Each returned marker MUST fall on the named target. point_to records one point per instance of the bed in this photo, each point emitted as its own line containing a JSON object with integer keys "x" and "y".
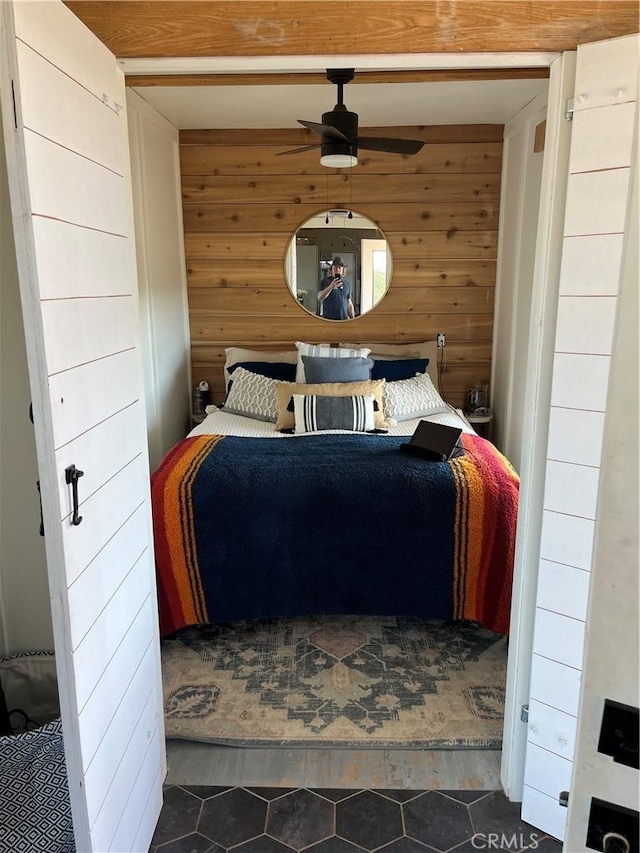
{"x": 251, "y": 523}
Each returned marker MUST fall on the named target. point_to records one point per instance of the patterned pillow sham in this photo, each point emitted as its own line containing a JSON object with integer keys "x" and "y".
{"x": 253, "y": 396}
{"x": 318, "y": 369}
{"x": 324, "y": 351}
{"x": 412, "y": 398}
{"x": 285, "y": 392}
{"x": 315, "y": 412}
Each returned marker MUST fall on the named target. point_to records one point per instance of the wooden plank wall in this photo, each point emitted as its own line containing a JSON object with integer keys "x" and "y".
{"x": 438, "y": 210}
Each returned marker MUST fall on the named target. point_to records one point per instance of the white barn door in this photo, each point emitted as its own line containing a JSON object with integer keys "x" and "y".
{"x": 594, "y": 235}
{"x": 67, "y": 153}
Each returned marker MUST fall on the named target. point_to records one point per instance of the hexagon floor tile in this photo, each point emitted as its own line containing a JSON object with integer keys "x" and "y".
{"x": 201, "y": 819}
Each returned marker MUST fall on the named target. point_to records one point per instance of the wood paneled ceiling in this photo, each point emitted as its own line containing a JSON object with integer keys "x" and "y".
{"x": 179, "y": 28}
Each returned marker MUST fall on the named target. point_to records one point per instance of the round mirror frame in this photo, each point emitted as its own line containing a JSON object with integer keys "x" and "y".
{"x": 363, "y": 264}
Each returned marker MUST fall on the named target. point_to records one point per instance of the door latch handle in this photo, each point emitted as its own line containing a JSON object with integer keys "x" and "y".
{"x": 72, "y": 475}
{"x": 40, "y": 500}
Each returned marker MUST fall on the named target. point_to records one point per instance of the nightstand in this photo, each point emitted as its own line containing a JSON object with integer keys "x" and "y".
{"x": 483, "y": 424}
{"x": 197, "y": 419}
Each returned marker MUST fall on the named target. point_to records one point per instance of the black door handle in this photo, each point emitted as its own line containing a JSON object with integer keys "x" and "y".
{"x": 40, "y": 499}
{"x": 72, "y": 475}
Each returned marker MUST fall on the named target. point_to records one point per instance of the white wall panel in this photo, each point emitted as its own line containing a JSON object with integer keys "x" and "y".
{"x": 103, "y": 770}
{"x": 520, "y": 199}
{"x": 105, "y": 762}
{"x": 604, "y": 138}
{"x": 553, "y": 729}
{"x": 118, "y": 439}
{"x": 150, "y": 814}
{"x": 612, "y": 664}
{"x": 547, "y": 772}
{"x": 75, "y": 189}
{"x": 543, "y": 811}
{"x": 597, "y": 202}
{"x": 79, "y": 53}
{"x": 576, "y": 436}
{"x": 83, "y": 330}
{"x": 591, "y": 265}
{"x": 51, "y": 106}
{"x": 164, "y": 332}
{"x": 120, "y": 793}
{"x": 555, "y": 684}
{"x": 69, "y": 163}
{"x": 94, "y": 588}
{"x": 567, "y": 539}
{"x": 91, "y": 393}
{"x": 595, "y": 235}
{"x": 586, "y": 324}
{"x": 98, "y": 646}
{"x": 563, "y": 589}
{"x": 559, "y": 638}
{"x": 607, "y": 73}
{"x": 76, "y": 261}
{"x": 104, "y": 513}
{"x": 580, "y": 381}
{"x": 126, "y": 665}
{"x": 147, "y": 779}
{"x": 571, "y": 489}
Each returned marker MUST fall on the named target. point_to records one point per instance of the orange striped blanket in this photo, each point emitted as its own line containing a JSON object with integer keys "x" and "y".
{"x": 253, "y": 528}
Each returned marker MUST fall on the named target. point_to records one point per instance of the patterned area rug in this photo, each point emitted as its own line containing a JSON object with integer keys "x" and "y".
{"x": 351, "y": 681}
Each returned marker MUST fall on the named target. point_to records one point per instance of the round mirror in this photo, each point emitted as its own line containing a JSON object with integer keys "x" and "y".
{"x": 338, "y": 265}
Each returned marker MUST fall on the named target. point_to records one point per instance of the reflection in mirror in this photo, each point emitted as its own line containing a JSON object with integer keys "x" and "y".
{"x": 338, "y": 265}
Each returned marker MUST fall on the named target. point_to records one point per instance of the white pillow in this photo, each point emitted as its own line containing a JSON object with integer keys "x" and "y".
{"x": 239, "y": 354}
{"x": 324, "y": 351}
{"x": 253, "y": 396}
{"x": 412, "y": 398}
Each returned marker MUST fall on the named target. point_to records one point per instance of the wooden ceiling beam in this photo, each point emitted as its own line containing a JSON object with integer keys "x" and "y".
{"x": 174, "y": 28}
{"x": 451, "y": 76}
{"x": 291, "y": 136}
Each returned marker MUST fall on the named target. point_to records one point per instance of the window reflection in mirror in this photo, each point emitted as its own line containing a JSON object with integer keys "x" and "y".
{"x": 355, "y": 241}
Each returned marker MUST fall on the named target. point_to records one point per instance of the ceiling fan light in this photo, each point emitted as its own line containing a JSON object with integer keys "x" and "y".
{"x": 338, "y": 161}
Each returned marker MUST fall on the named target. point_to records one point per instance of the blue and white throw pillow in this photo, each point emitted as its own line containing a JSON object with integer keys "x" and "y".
{"x": 313, "y": 413}
{"x": 324, "y": 351}
{"x": 412, "y": 398}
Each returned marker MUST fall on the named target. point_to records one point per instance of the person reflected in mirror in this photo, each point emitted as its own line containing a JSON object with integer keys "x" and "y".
{"x": 334, "y": 293}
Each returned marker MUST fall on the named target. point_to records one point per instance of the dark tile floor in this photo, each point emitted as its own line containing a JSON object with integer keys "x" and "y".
{"x": 280, "y": 820}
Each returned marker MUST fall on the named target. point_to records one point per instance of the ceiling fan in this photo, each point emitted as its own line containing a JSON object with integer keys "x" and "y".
{"x": 339, "y": 132}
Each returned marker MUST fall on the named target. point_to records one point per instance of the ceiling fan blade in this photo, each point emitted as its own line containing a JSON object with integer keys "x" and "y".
{"x": 298, "y": 150}
{"x": 323, "y": 129}
{"x": 392, "y": 146}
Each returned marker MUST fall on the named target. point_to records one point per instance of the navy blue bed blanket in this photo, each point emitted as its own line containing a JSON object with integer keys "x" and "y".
{"x": 251, "y": 528}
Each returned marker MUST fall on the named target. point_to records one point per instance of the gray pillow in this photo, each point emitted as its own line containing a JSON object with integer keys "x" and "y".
{"x": 318, "y": 369}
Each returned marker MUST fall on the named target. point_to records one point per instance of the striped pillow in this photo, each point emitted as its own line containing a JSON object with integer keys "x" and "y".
{"x": 324, "y": 351}
{"x": 313, "y": 413}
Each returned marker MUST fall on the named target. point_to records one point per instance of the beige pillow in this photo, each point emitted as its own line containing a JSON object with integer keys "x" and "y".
{"x": 234, "y": 355}
{"x": 426, "y": 349}
{"x": 284, "y": 392}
